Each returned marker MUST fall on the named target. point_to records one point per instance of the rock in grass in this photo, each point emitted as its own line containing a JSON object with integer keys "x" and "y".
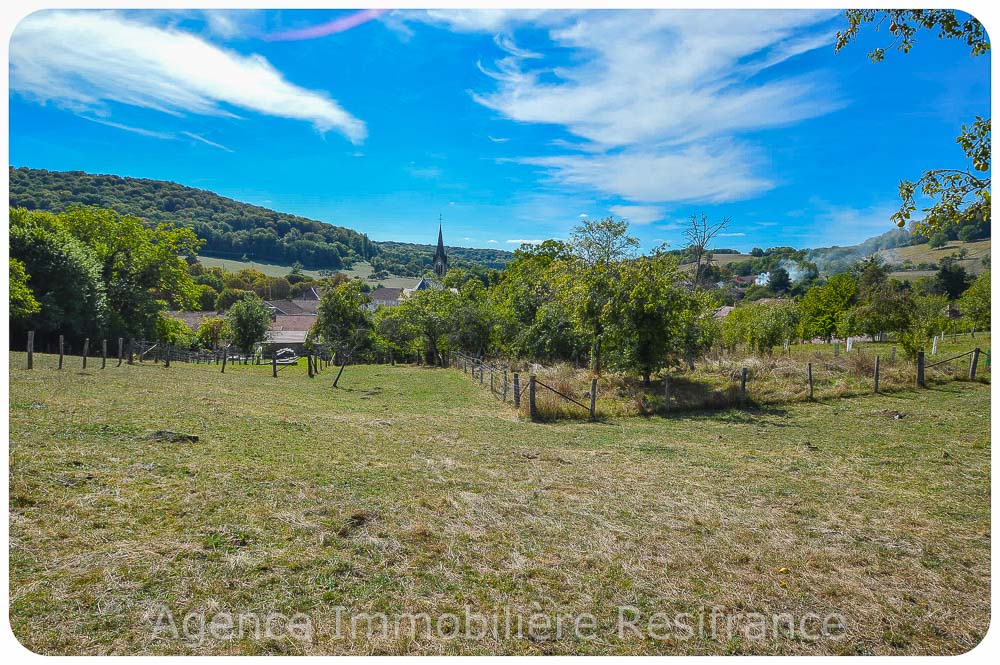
{"x": 173, "y": 437}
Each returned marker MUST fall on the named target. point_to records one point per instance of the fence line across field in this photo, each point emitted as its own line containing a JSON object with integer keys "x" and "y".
{"x": 131, "y": 352}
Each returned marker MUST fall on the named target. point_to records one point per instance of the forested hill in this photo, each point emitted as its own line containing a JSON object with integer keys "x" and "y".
{"x": 231, "y": 229}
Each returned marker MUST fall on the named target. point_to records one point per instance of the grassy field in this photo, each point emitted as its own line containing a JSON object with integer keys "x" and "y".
{"x": 924, "y": 254}
{"x": 361, "y": 269}
{"x": 411, "y": 489}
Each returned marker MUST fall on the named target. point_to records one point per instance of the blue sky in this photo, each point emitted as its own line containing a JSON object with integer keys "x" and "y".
{"x": 512, "y": 125}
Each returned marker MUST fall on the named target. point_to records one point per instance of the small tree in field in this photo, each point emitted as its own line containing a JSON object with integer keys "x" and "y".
{"x": 248, "y": 320}
{"x": 212, "y": 332}
{"x": 975, "y": 302}
{"x": 343, "y": 320}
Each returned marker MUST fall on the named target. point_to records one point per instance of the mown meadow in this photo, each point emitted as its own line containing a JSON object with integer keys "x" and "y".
{"x": 411, "y": 489}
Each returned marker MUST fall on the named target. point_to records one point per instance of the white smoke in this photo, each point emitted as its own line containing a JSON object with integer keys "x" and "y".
{"x": 795, "y": 272}
{"x": 763, "y": 279}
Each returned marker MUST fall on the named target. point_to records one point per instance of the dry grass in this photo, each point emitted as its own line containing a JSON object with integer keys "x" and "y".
{"x": 775, "y": 379}
{"x": 412, "y": 490}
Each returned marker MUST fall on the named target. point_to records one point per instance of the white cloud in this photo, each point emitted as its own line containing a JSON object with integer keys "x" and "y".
{"x": 497, "y": 139}
{"x": 658, "y": 111}
{"x": 468, "y": 238}
{"x": 583, "y": 215}
{"x": 638, "y": 214}
{"x": 492, "y": 242}
{"x": 524, "y": 242}
{"x": 693, "y": 173}
{"x": 732, "y": 235}
{"x": 82, "y": 60}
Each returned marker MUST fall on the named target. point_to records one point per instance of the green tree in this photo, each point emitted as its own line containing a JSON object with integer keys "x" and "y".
{"x": 586, "y": 281}
{"x": 655, "y": 321}
{"x": 958, "y": 192}
{"x": 975, "y": 302}
{"x": 22, "y": 300}
{"x": 172, "y": 331}
{"x": 822, "y": 307}
{"x": 63, "y": 274}
{"x": 431, "y": 312}
{"x": 951, "y": 279}
{"x": 937, "y": 240}
{"x": 142, "y": 268}
{"x": 249, "y": 320}
{"x": 760, "y": 326}
{"x": 926, "y": 317}
{"x": 212, "y": 332}
{"x": 228, "y": 298}
{"x": 394, "y": 332}
{"x": 343, "y": 320}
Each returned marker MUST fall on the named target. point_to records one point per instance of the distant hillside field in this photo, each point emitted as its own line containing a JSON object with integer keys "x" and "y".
{"x": 917, "y": 254}
{"x": 361, "y": 270}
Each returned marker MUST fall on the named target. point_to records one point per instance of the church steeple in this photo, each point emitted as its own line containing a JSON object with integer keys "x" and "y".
{"x": 440, "y": 258}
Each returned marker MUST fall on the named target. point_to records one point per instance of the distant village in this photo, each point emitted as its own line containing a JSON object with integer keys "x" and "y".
{"x": 293, "y": 318}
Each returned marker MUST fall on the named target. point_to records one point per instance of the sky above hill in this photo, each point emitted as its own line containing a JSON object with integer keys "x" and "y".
{"x": 510, "y": 125}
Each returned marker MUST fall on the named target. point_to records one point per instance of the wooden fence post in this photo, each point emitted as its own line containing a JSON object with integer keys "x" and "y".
{"x": 974, "y": 364}
{"x": 809, "y": 372}
{"x": 62, "y": 347}
{"x": 593, "y": 399}
{"x": 225, "y": 359}
{"x": 31, "y": 349}
{"x": 166, "y": 355}
{"x": 743, "y": 386}
{"x": 309, "y": 364}
{"x": 877, "y": 367}
{"x": 517, "y": 391}
{"x": 104, "y": 353}
{"x": 480, "y": 374}
{"x": 920, "y": 370}
{"x": 86, "y": 350}
{"x": 119, "y": 352}
{"x": 532, "y": 409}
{"x": 274, "y": 364}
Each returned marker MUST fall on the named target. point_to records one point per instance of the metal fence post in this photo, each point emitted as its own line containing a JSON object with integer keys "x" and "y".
{"x": 517, "y": 391}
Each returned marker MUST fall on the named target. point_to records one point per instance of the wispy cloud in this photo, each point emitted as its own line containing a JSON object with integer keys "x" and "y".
{"x": 198, "y": 137}
{"x": 659, "y": 115}
{"x": 492, "y": 242}
{"x": 638, "y": 214}
{"x": 128, "y": 128}
{"x": 496, "y": 139}
{"x": 82, "y": 60}
{"x": 732, "y": 235}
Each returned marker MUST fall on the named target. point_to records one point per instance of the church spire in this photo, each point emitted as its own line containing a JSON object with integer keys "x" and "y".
{"x": 440, "y": 258}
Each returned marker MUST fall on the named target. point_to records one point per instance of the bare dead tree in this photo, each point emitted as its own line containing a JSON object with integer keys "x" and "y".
{"x": 699, "y": 234}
